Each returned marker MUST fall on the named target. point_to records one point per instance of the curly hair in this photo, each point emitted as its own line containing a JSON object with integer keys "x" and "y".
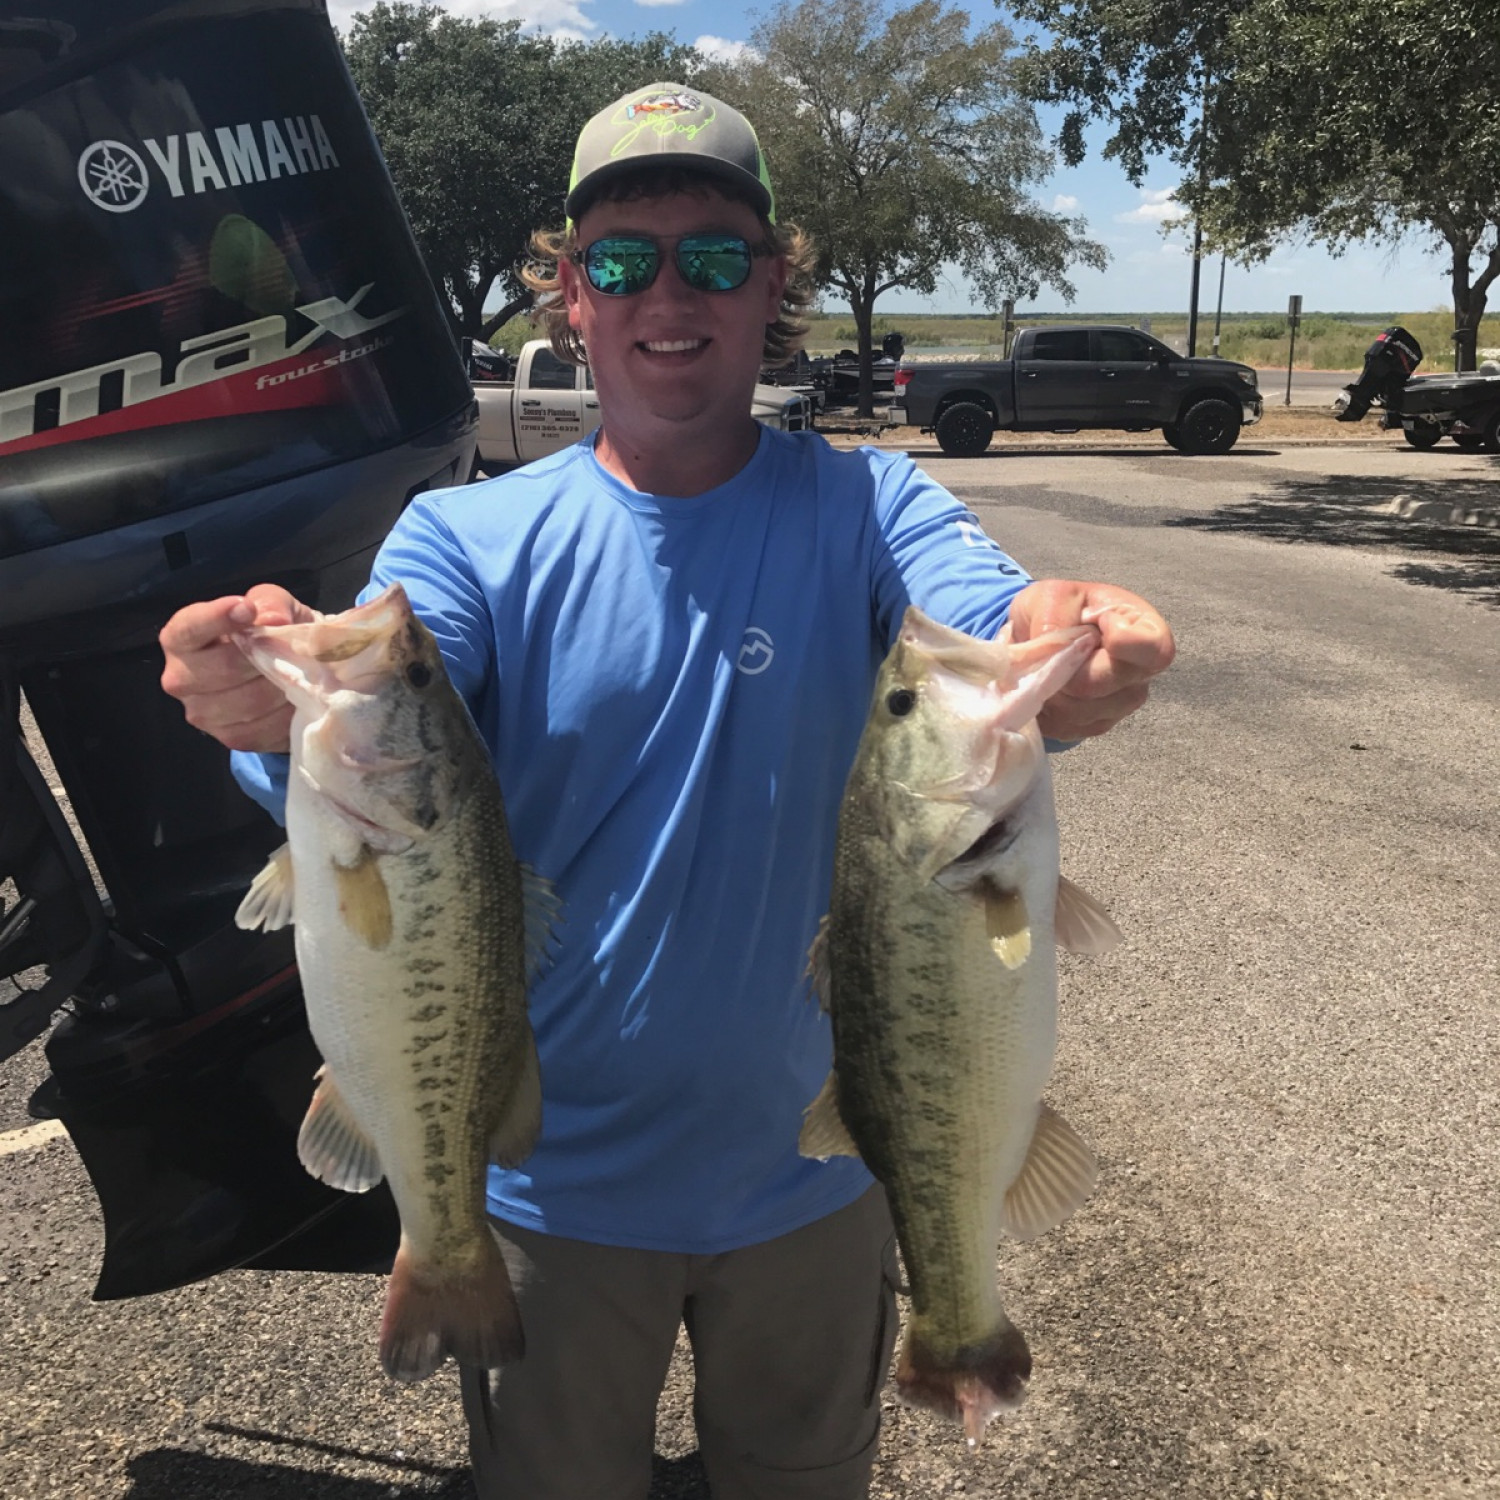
{"x": 549, "y": 246}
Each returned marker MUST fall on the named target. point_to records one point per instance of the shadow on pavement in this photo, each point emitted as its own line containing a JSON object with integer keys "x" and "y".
{"x": 1391, "y": 514}
{"x": 176, "y": 1474}
{"x": 172, "y": 1474}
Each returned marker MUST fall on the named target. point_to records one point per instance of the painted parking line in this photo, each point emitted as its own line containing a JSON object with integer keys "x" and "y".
{"x": 28, "y": 1137}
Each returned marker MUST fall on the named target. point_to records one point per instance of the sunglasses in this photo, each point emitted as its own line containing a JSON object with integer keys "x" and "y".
{"x": 623, "y": 264}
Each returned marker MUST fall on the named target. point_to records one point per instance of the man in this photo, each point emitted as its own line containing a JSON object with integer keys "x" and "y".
{"x": 668, "y": 636}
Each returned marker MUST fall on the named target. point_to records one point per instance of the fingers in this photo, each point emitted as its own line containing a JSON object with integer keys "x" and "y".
{"x": 1136, "y": 644}
{"x": 221, "y": 692}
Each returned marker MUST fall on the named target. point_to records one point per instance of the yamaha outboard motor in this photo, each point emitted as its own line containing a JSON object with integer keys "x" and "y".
{"x": 221, "y": 362}
{"x": 1389, "y": 363}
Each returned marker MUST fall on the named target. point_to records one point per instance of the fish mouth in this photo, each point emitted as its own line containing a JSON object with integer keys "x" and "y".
{"x": 973, "y": 864}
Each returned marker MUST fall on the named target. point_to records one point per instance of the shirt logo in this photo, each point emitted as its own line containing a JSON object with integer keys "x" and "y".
{"x": 756, "y": 652}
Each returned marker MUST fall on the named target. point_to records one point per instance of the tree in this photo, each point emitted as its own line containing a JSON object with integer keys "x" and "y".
{"x": 901, "y": 145}
{"x": 1333, "y": 120}
{"x": 477, "y": 123}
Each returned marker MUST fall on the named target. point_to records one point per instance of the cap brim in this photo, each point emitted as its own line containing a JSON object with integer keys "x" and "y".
{"x": 587, "y": 191}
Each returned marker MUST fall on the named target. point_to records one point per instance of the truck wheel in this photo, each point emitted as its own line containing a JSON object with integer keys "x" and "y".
{"x": 1173, "y": 434}
{"x": 1468, "y": 441}
{"x": 1491, "y": 431}
{"x": 1208, "y": 426}
{"x": 964, "y": 430}
{"x": 1423, "y": 436}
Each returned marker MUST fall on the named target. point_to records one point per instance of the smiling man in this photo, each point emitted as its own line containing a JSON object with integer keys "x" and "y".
{"x": 668, "y": 635}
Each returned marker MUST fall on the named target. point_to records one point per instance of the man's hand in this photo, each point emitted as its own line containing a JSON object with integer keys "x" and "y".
{"x": 221, "y": 693}
{"x": 1136, "y": 644}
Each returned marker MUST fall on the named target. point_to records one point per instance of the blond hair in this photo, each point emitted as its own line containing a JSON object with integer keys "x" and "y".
{"x": 549, "y": 246}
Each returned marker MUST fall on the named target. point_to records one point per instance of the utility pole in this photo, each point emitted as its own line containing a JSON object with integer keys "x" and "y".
{"x": 1193, "y": 299}
{"x": 1219, "y": 308}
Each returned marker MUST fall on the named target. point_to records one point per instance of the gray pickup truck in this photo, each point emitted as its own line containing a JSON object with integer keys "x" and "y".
{"x": 1074, "y": 376}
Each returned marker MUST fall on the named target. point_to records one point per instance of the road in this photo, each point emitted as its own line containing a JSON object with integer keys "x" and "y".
{"x": 1286, "y": 1283}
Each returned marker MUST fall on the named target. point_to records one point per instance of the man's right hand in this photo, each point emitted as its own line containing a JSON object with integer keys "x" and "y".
{"x": 221, "y": 693}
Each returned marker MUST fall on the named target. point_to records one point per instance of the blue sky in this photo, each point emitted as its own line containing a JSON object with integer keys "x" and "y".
{"x": 1148, "y": 272}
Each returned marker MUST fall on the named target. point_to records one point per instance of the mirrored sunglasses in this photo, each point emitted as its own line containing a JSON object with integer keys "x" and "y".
{"x": 624, "y": 264}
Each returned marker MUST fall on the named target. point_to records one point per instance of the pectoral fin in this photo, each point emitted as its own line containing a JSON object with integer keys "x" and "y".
{"x": 364, "y": 901}
{"x": 1083, "y": 926}
{"x": 1058, "y": 1175}
{"x": 332, "y": 1144}
{"x": 268, "y": 902}
{"x": 1008, "y": 926}
{"x": 824, "y": 1133}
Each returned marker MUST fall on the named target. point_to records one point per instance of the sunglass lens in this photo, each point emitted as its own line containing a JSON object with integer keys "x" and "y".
{"x": 714, "y": 262}
{"x": 619, "y": 267}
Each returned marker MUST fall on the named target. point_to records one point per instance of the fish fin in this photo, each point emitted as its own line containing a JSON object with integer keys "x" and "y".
{"x": 333, "y": 1145}
{"x": 515, "y": 1134}
{"x": 1058, "y": 1174}
{"x": 1083, "y": 926}
{"x": 820, "y": 967}
{"x": 824, "y": 1133}
{"x": 978, "y": 1382}
{"x": 364, "y": 901}
{"x": 541, "y": 910}
{"x": 268, "y": 902}
{"x": 1008, "y": 925}
{"x": 430, "y": 1313}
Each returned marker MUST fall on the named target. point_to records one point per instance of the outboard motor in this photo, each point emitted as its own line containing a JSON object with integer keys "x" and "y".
{"x": 1389, "y": 363}
{"x": 221, "y": 362}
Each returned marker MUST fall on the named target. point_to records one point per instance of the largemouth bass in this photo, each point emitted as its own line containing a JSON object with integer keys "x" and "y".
{"x": 410, "y": 913}
{"x": 937, "y": 962}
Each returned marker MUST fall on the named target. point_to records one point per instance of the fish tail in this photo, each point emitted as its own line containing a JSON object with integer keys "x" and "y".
{"x": 971, "y": 1385}
{"x": 431, "y": 1313}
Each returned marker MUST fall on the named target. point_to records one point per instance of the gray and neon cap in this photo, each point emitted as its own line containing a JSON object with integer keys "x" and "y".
{"x": 669, "y": 125}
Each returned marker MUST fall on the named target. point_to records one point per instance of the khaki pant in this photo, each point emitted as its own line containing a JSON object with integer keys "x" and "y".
{"x": 791, "y": 1342}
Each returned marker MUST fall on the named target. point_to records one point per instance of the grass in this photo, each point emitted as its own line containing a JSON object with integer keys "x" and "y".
{"x": 1325, "y": 341}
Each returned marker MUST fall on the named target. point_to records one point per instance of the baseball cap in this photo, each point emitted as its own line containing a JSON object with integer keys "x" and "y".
{"x": 669, "y": 124}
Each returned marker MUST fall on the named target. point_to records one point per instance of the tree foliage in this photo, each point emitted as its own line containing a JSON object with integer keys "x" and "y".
{"x": 1333, "y": 120}
{"x": 900, "y": 143}
{"x": 477, "y": 123}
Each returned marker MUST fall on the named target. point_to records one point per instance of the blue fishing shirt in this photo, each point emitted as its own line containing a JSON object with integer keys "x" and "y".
{"x": 673, "y": 691}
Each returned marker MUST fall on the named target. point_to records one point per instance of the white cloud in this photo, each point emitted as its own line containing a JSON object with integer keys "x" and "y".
{"x": 1157, "y": 206}
{"x": 1064, "y": 203}
{"x": 720, "y": 48}
{"x": 567, "y": 20}
{"x": 660, "y": 2}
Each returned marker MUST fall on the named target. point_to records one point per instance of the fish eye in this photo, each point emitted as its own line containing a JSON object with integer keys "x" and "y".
{"x": 419, "y": 674}
{"x": 901, "y": 702}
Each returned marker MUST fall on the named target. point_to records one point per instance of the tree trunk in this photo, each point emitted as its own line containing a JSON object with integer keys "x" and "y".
{"x": 506, "y": 313}
{"x": 862, "y": 305}
{"x": 1467, "y": 308}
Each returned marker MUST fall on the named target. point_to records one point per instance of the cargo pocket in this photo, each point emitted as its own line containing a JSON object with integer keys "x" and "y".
{"x": 886, "y": 1323}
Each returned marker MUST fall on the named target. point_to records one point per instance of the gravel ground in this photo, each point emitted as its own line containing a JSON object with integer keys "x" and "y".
{"x": 1285, "y": 1285}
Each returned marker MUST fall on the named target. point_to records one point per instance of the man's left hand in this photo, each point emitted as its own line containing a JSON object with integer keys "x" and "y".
{"x": 1136, "y": 644}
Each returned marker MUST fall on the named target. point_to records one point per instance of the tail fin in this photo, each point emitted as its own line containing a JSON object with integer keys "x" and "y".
{"x": 975, "y": 1384}
{"x": 429, "y": 1315}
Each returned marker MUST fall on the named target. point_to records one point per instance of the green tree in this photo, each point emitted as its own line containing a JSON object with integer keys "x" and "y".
{"x": 477, "y": 123}
{"x": 1331, "y": 120}
{"x": 900, "y": 143}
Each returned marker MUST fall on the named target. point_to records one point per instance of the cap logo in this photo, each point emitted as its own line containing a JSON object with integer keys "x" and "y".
{"x": 656, "y": 112}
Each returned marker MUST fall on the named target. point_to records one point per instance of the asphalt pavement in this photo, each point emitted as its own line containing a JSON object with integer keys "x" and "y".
{"x": 1286, "y": 1283}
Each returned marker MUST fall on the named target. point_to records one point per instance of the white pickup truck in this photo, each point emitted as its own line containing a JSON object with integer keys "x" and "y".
{"x": 552, "y": 403}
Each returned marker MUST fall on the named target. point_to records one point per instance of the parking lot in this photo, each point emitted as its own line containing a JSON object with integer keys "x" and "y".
{"x": 1286, "y": 1283}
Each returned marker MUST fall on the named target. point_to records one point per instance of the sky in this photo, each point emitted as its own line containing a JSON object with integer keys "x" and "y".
{"x": 1149, "y": 272}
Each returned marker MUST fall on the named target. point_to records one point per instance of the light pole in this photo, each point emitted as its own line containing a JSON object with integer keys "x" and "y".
{"x": 1219, "y": 310}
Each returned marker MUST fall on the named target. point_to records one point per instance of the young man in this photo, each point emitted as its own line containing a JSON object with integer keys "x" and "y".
{"x": 668, "y": 636}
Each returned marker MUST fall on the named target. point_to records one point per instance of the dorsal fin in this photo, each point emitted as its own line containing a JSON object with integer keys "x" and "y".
{"x": 542, "y": 910}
